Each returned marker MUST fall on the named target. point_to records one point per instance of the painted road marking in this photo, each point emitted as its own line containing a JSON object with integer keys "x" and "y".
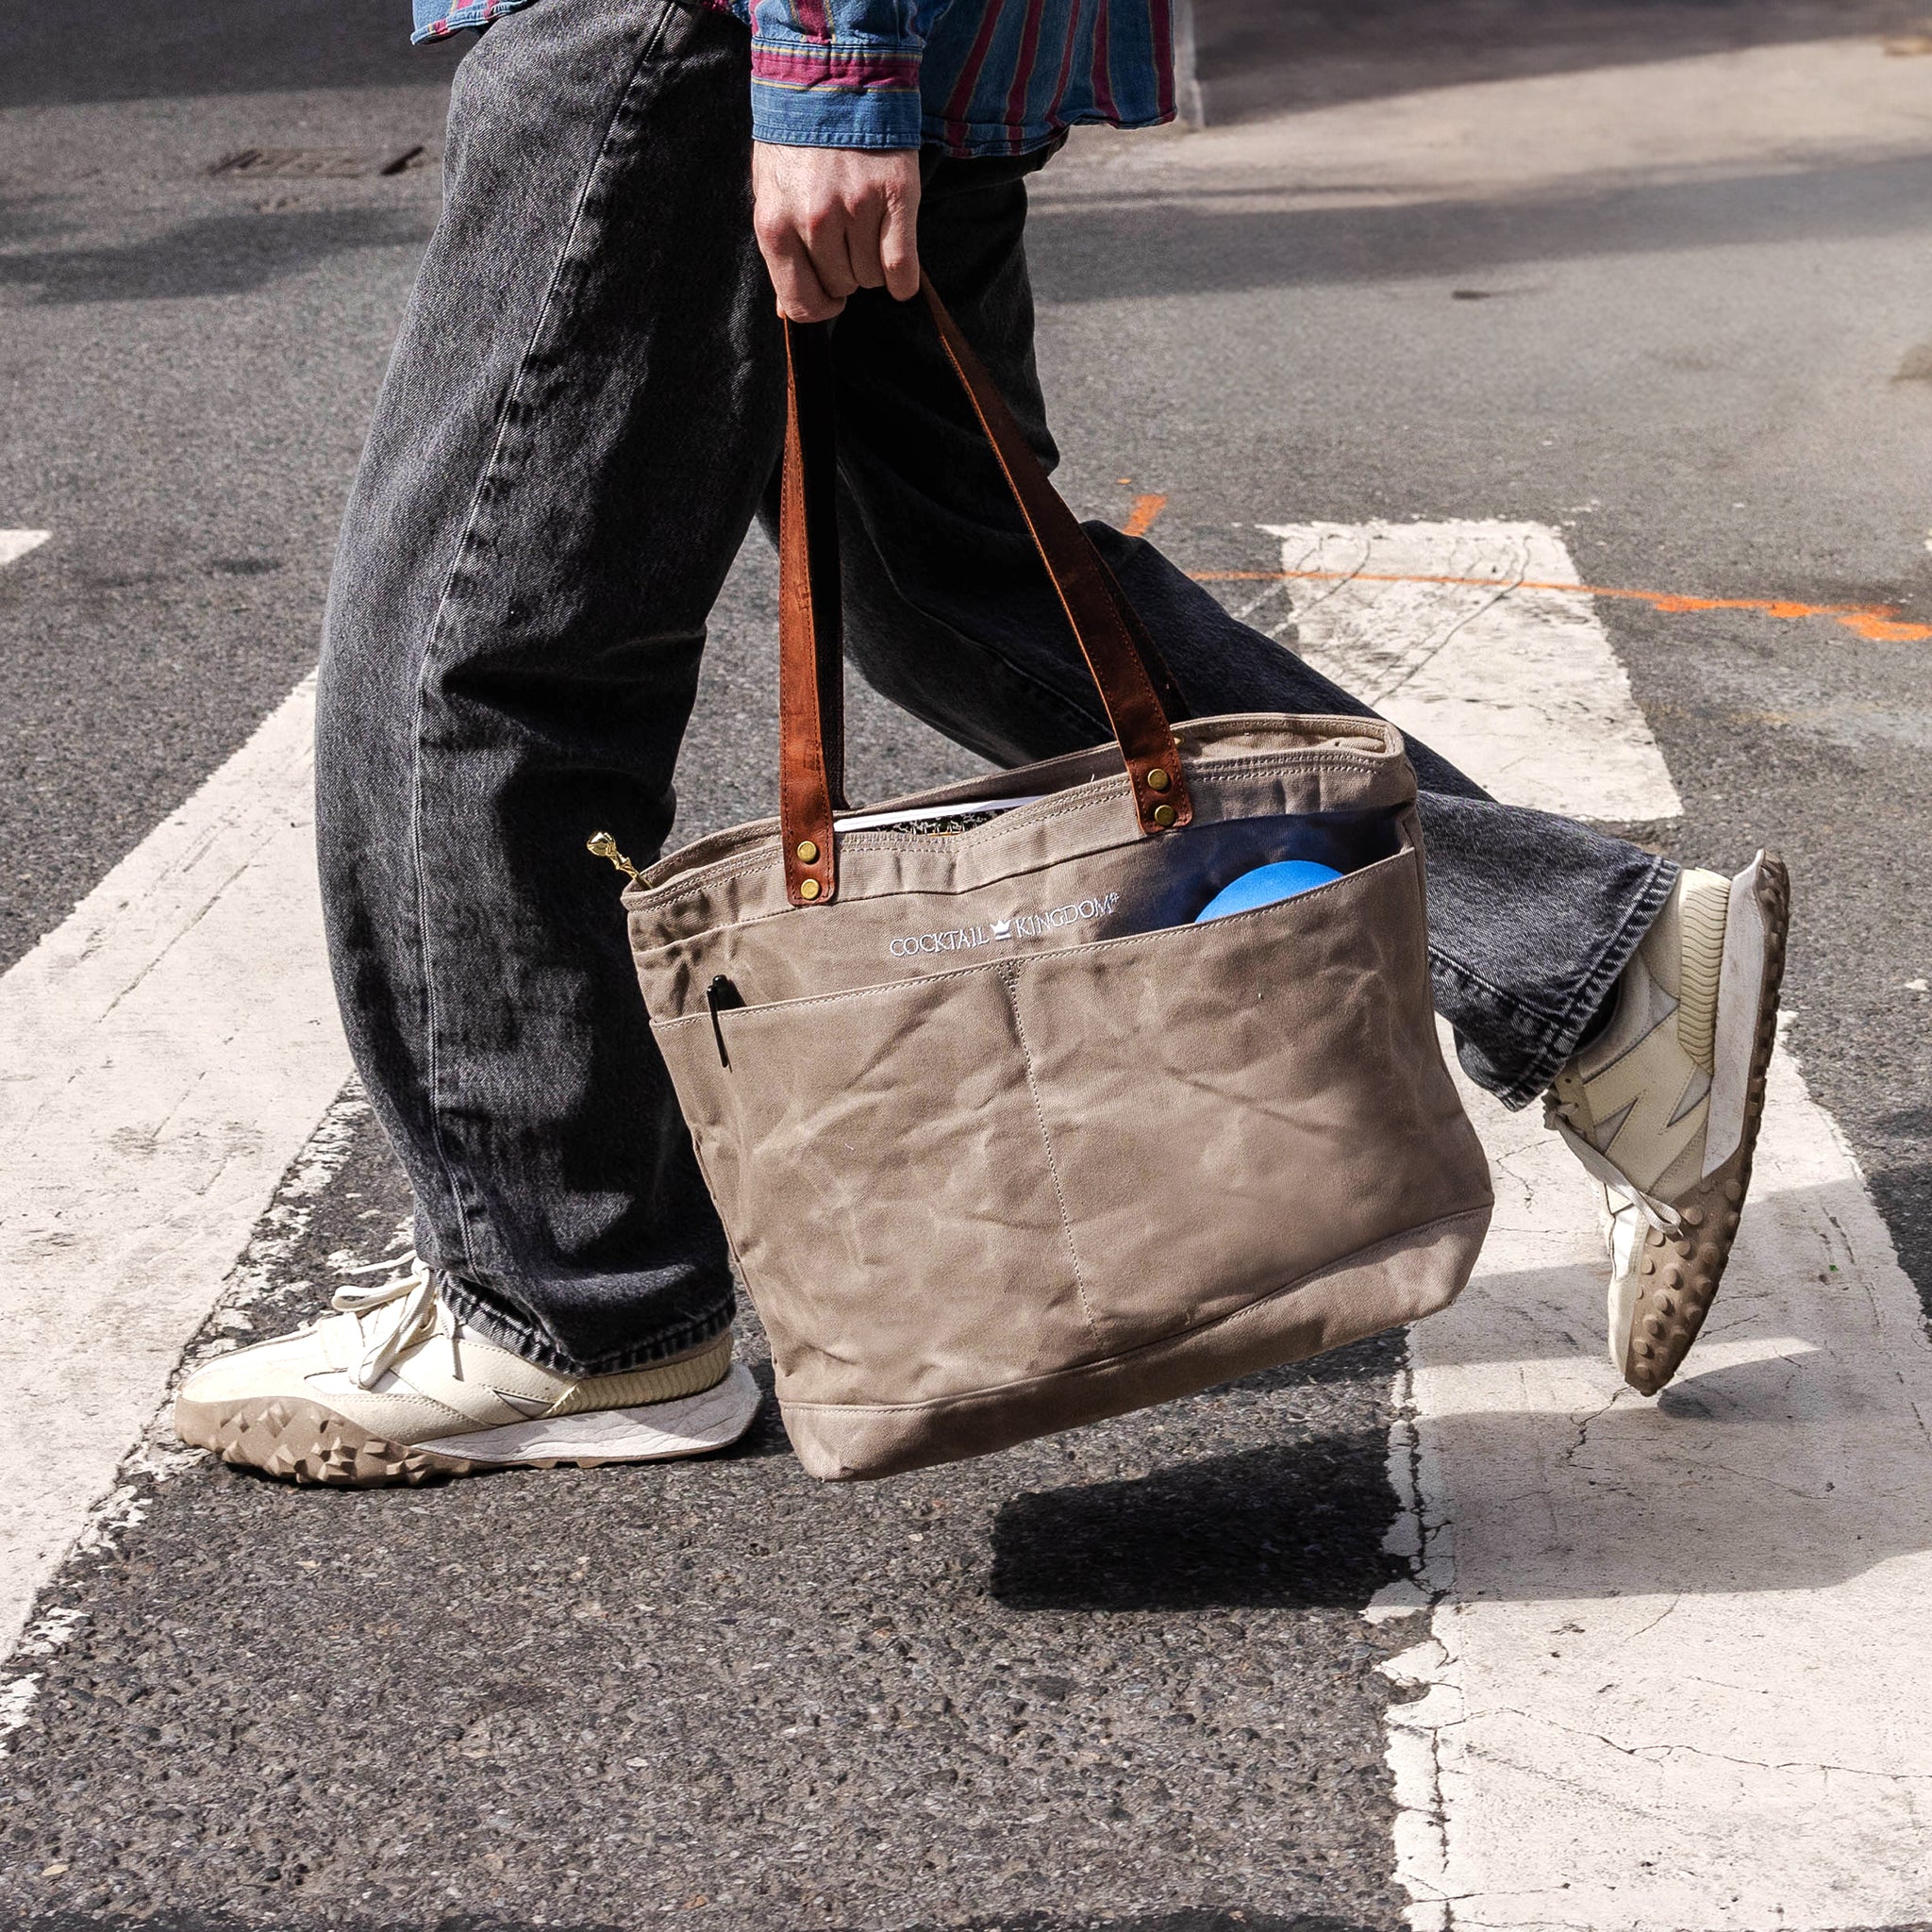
{"x": 1674, "y": 1676}
{"x": 164, "y": 1055}
{"x": 1883, "y": 624}
{"x": 1670, "y": 1651}
{"x": 16, "y": 543}
{"x": 1470, "y": 635}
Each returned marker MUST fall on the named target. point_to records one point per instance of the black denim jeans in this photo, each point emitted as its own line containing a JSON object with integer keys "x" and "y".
{"x": 582, "y": 415}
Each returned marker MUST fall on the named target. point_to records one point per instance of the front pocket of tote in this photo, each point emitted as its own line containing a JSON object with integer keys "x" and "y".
{"x": 1234, "y": 1105}
{"x": 879, "y": 1161}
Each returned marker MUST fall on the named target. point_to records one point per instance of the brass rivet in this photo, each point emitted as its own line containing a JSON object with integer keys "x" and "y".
{"x": 807, "y": 851}
{"x": 807, "y": 889}
{"x": 1158, "y": 780}
{"x": 1163, "y": 816}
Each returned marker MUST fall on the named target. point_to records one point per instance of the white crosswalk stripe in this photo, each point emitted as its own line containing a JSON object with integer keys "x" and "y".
{"x": 16, "y": 543}
{"x": 1674, "y": 1678}
{"x": 1667, "y": 1652}
{"x": 164, "y": 1054}
{"x": 1462, "y": 633}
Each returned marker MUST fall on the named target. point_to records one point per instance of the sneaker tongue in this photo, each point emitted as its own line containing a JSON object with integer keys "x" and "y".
{"x": 342, "y": 1339}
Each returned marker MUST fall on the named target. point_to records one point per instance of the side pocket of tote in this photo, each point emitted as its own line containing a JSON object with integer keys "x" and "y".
{"x": 877, "y": 1160}
{"x": 1234, "y": 1106}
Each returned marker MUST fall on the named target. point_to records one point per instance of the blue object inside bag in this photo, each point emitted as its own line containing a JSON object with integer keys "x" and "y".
{"x": 1266, "y": 885}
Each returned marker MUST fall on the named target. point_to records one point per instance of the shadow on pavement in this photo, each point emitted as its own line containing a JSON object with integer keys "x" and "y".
{"x": 716, "y": 1691}
{"x": 1295, "y": 1525}
{"x": 1255, "y": 56}
{"x": 1187, "y": 245}
{"x": 220, "y": 255}
{"x": 1904, "y": 1195}
{"x": 1202, "y": 1919}
{"x": 123, "y": 50}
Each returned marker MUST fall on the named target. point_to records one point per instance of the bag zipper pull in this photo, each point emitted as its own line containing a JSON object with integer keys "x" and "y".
{"x": 604, "y": 846}
{"x": 722, "y": 997}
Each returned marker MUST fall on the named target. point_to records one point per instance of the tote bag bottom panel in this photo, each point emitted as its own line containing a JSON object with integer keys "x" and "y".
{"x": 1395, "y": 1281}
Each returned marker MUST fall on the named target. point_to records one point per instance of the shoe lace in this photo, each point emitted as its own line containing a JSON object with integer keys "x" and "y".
{"x": 392, "y": 1316}
{"x": 1565, "y": 1116}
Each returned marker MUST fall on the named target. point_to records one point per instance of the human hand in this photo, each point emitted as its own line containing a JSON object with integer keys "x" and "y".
{"x": 833, "y": 220}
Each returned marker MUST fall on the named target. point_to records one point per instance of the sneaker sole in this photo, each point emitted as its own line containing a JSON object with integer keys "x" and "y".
{"x": 1675, "y": 1274}
{"x": 306, "y": 1443}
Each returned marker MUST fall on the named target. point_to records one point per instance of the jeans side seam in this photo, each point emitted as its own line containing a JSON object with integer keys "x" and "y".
{"x": 1092, "y": 725}
{"x": 1545, "y": 1018}
{"x": 1094, "y": 720}
{"x": 1089, "y": 720}
{"x": 465, "y": 549}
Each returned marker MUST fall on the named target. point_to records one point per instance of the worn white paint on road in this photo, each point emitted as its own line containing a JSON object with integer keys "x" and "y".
{"x": 1676, "y": 1654}
{"x": 16, "y": 543}
{"x": 1671, "y": 1654}
{"x": 164, "y": 1055}
{"x": 1676, "y": 1675}
{"x": 1453, "y": 631}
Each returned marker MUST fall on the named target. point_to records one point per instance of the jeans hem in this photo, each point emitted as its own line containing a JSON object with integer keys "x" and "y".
{"x": 1550, "y": 1041}
{"x": 525, "y": 1338}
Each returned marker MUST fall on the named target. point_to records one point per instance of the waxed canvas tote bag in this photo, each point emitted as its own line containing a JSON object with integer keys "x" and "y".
{"x": 1003, "y": 1138}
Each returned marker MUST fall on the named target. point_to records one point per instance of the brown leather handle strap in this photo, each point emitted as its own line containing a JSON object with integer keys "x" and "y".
{"x": 1136, "y": 687}
{"x": 1120, "y": 655}
{"x": 812, "y": 659}
{"x": 1165, "y": 689}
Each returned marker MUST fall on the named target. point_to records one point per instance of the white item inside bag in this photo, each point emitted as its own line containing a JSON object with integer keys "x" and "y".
{"x": 976, "y": 809}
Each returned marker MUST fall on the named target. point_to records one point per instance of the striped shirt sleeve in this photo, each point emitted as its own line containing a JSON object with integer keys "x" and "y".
{"x": 835, "y": 73}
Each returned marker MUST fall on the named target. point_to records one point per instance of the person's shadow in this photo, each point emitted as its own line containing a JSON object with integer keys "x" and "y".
{"x": 1292, "y": 1525}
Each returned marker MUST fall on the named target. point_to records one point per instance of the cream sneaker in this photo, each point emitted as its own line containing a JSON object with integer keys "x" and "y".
{"x": 1663, "y": 1107}
{"x": 393, "y": 1389}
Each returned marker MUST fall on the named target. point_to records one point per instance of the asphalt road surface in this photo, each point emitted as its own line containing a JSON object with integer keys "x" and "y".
{"x": 1645, "y": 288}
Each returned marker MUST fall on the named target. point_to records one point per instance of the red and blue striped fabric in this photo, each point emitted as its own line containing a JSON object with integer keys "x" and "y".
{"x": 970, "y": 77}
{"x": 1002, "y": 76}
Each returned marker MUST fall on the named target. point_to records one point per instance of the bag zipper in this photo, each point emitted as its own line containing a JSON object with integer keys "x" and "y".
{"x": 604, "y": 846}
{"x": 721, "y": 996}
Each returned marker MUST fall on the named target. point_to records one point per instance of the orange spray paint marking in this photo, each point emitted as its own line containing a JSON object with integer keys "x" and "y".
{"x": 1876, "y": 622}
{"x": 1140, "y": 518}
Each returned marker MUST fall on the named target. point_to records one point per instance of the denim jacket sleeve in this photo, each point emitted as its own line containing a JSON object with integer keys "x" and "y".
{"x": 835, "y": 73}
